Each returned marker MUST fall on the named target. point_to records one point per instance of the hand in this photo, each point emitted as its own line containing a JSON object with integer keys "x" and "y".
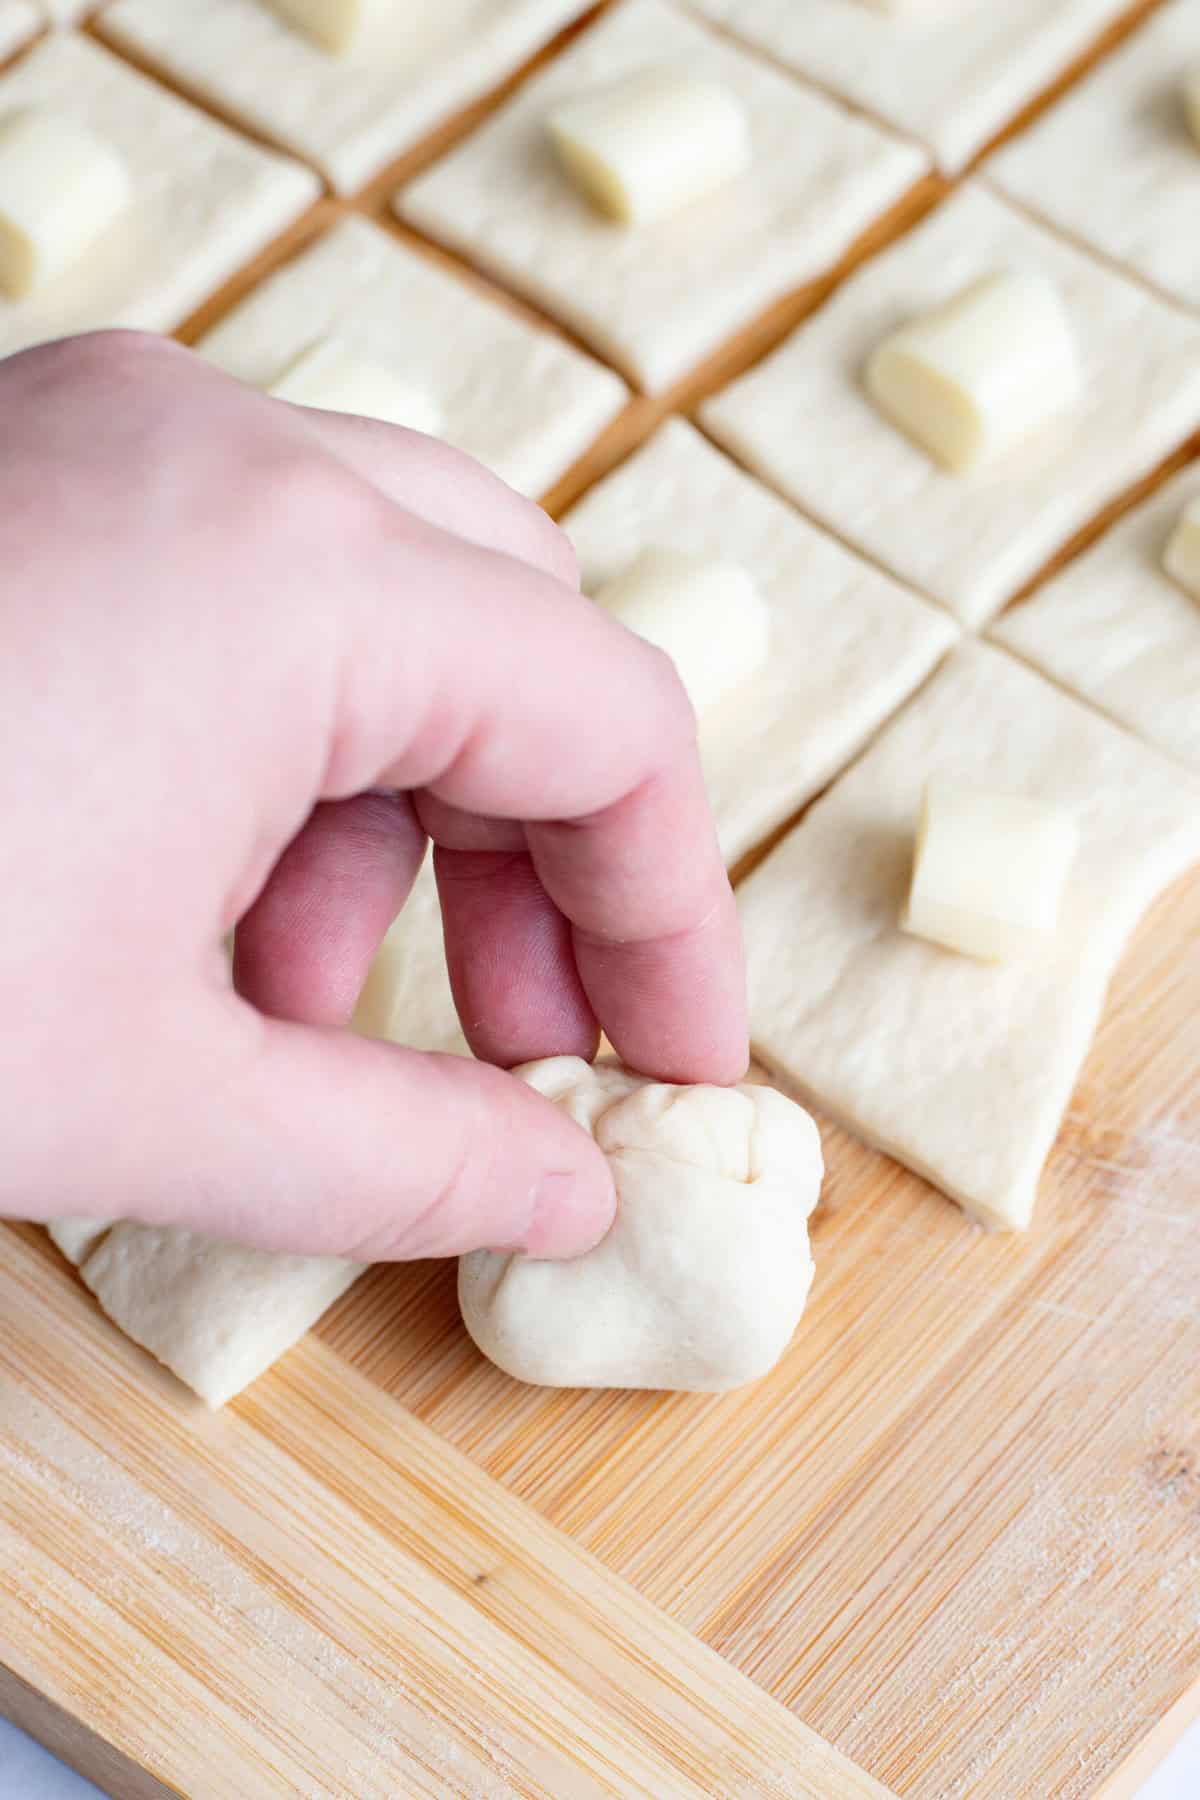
{"x": 227, "y": 623}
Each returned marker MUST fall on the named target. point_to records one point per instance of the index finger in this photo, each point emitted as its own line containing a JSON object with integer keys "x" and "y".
{"x": 524, "y": 700}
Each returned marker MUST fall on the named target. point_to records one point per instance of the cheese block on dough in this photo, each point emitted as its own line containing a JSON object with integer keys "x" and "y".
{"x": 204, "y": 199}
{"x": 802, "y": 420}
{"x": 61, "y": 187}
{"x": 334, "y": 25}
{"x": 517, "y": 398}
{"x": 976, "y": 375}
{"x": 332, "y": 375}
{"x": 784, "y": 731}
{"x": 960, "y": 1069}
{"x": 707, "y": 615}
{"x": 1112, "y": 164}
{"x": 1182, "y": 558}
{"x": 649, "y": 143}
{"x": 1115, "y": 628}
{"x": 656, "y": 297}
{"x": 989, "y": 870}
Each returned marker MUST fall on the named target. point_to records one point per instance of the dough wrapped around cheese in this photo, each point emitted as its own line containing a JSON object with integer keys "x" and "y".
{"x": 651, "y": 143}
{"x": 707, "y": 615}
{"x": 702, "y": 1278}
{"x": 61, "y": 188}
{"x": 980, "y": 374}
{"x": 1182, "y": 559}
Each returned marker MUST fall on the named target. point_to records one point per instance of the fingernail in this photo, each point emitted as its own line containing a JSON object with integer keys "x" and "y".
{"x": 570, "y": 1214}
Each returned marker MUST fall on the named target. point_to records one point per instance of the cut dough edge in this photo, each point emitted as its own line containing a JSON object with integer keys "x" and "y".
{"x": 855, "y": 1100}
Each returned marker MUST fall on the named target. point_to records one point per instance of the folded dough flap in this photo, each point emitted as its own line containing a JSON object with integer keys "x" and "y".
{"x": 76, "y": 1237}
{"x": 216, "y": 1314}
{"x": 742, "y": 1134}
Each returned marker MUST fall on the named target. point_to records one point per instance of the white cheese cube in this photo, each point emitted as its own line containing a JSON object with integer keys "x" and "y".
{"x": 989, "y": 871}
{"x": 1191, "y": 100}
{"x": 708, "y": 616}
{"x": 335, "y": 25}
{"x": 902, "y": 9}
{"x": 980, "y": 374}
{"x": 61, "y": 187}
{"x": 334, "y": 377}
{"x": 651, "y": 143}
{"x": 1182, "y": 558}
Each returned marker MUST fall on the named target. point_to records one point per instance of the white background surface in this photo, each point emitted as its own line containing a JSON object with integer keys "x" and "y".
{"x": 28, "y": 1773}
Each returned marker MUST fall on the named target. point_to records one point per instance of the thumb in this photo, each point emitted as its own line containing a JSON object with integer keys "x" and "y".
{"x": 332, "y": 1144}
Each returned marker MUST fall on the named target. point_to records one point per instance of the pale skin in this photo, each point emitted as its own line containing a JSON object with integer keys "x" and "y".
{"x": 255, "y": 656}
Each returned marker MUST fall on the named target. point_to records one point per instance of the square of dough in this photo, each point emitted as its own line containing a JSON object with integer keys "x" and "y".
{"x": 952, "y": 75}
{"x": 960, "y": 1069}
{"x": 656, "y": 298}
{"x": 350, "y": 114}
{"x": 204, "y": 199}
{"x": 803, "y": 420}
{"x": 216, "y": 1314}
{"x": 521, "y": 400}
{"x": 847, "y": 644}
{"x": 1114, "y": 163}
{"x": 19, "y": 20}
{"x": 1113, "y": 627}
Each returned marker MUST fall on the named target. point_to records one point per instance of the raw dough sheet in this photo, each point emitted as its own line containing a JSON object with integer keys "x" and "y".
{"x": 519, "y": 399}
{"x": 656, "y": 298}
{"x": 349, "y": 114}
{"x": 803, "y": 421}
{"x": 204, "y": 199}
{"x": 19, "y": 19}
{"x": 407, "y": 996}
{"x": 953, "y": 74}
{"x": 847, "y": 644}
{"x": 1114, "y": 627}
{"x": 216, "y": 1314}
{"x": 960, "y": 1069}
{"x": 1114, "y": 162}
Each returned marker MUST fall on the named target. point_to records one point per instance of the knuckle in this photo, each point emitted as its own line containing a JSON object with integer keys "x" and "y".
{"x": 557, "y": 551}
{"x": 299, "y": 489}
{"x": 110, "y": 358}
{"x": 673, "y": 709}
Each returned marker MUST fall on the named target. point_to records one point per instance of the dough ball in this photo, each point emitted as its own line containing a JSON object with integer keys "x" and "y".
{"x": 702, "y": 1278}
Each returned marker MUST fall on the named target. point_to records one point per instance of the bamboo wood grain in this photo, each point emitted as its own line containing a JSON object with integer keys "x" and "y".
{"x": 316, "y": 1594}
{"x": 958, "y": 1531}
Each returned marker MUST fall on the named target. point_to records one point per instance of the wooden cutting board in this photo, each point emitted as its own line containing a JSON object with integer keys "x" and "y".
{"x": 956, "y": 1533}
